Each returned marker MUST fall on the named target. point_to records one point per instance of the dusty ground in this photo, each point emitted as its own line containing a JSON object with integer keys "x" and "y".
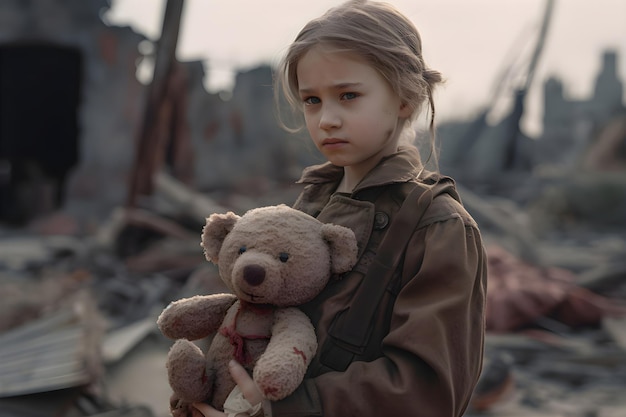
{"x": 140, "y": 378}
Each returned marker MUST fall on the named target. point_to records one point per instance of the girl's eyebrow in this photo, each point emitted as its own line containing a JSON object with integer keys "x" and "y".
{"x": 339, "y": 86}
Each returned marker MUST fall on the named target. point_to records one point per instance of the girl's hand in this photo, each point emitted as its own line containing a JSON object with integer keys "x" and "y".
{"x": 246, "y": 386}
{"x": 245, "y": 382}
{"x": 207, "y": 411}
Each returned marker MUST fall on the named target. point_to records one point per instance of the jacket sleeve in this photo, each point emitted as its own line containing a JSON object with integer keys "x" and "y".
{"x": 432, "y": 355}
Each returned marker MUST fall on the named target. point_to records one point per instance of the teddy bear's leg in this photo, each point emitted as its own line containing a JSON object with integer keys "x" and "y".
{"x": 281, "y": 368}
{"x": 186, "y": 371}
{"x": 219, "y": 354}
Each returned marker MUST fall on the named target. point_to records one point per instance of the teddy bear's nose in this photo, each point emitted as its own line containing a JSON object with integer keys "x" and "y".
{"x": 254, "y": 274}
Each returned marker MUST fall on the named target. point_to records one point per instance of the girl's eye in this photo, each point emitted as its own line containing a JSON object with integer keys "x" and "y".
{"x": 349, "y": 96}
{"x": 242, "y": 250}
{"x": 283, "y": 257}
{"x": 311, "y": 100}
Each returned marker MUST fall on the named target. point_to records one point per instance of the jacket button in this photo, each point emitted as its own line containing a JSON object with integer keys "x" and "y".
{"x": 381, "y": 220}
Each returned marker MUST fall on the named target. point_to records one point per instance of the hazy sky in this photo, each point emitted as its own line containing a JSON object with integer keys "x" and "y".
{"x": 470, "y": 41}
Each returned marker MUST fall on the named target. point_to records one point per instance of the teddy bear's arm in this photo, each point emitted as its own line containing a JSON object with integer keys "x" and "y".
{"x": 281, "y": 368}
{"x": 195, "y": 317}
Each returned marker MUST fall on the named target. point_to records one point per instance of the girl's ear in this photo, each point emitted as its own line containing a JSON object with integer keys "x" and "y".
{"x": 405, "y": 111}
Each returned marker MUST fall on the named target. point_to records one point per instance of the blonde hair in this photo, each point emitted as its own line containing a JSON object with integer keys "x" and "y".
{"x": 382, "y": 36}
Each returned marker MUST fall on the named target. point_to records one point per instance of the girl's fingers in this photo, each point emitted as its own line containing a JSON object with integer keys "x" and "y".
{"x": 246, "y": 384}
{"x": 207, "y": 410}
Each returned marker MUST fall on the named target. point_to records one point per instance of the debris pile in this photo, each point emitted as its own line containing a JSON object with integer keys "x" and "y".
{"x": 78, "y": 334}
{"x": 55, "y": 351}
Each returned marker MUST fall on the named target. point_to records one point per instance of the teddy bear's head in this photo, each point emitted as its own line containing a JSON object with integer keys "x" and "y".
{"x": 277, "y": 255}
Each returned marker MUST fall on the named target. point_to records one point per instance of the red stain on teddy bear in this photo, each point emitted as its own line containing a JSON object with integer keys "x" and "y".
{"x": 270, "y": 391}
{"x": 238, "y": 342}
{"x": 300, "y": 353}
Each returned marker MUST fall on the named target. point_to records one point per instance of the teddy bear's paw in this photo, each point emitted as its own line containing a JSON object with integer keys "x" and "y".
{"x": 278, "y": 379}
{"x": 186, "y": 371}
{"x": 186, "y": 411}
{"x": 178, "y": 408}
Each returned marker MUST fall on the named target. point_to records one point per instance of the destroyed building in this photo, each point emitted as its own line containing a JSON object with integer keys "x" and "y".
{"x": 69, "y": 143}
{"x": 73, "y": 98}
{"x": 72, "y": 105}
{"x": 570, "y": 129}
{"x": 571, "y": 126}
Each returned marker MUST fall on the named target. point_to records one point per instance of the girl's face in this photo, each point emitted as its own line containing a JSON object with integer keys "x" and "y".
{"x": 350, "y": 110}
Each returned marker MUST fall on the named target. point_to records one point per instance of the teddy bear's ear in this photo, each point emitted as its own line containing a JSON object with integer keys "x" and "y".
{"x": 214, "y": 232}
{"x": 343, "y": 247}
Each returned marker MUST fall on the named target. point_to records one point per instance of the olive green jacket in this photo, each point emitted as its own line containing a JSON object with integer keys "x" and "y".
{"x": 424, "y": 355}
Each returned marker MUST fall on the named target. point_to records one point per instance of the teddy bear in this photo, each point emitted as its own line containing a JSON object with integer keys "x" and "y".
{"x": 273, "y": 259}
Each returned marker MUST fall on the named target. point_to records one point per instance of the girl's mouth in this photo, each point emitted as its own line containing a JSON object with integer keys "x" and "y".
{"x": 333, "y": 142}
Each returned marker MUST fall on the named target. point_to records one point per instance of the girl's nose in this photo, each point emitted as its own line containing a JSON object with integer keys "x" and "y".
{"x": 329, "y": 119}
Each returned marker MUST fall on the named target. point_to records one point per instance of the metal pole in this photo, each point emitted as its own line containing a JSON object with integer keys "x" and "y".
{"x": 141, "y": 181}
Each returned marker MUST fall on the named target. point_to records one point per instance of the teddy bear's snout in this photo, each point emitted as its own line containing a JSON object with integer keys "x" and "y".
{"x": 254, "y": 275}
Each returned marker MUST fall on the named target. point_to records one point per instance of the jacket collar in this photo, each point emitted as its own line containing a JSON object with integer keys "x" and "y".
{"x": 402, "y": 166}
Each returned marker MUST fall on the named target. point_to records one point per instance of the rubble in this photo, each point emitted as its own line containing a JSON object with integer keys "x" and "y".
{"x": 141, "y": 259}
{"x": 576, "y": 374}
{"x": 82, "y": 283}
{"x": 55, "y": 351}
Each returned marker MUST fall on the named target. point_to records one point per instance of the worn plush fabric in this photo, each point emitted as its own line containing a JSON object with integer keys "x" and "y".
{"x": 425, "y": 355}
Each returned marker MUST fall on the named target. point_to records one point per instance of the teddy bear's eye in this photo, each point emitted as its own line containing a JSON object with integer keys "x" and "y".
{"x": 242, "y": 250}
{"x": 283, "y": 256}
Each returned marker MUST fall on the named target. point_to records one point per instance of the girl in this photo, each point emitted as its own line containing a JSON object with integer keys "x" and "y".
{"x": 358, "y": 75}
